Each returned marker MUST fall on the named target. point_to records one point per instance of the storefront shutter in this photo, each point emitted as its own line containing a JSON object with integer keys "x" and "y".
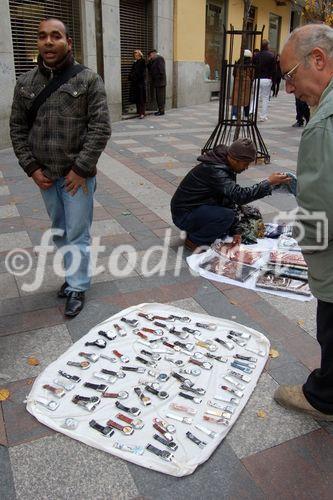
{"x": 135, "y": 33}
{"x": 25, "y": 16}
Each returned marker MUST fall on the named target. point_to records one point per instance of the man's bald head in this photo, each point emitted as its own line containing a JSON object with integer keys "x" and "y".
{"x": 306, "y": 38}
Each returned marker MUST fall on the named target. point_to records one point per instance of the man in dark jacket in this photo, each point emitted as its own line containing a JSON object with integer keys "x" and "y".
{"x": 205, "y": 201}
{"x": 60, "y": 149}
{"x": 156, "y": 68}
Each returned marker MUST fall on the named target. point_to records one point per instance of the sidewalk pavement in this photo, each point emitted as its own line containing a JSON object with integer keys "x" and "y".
{"x": 283, "y": 454}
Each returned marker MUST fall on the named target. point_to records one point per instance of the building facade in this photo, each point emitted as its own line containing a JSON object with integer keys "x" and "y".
{"x": 188, "y": 33}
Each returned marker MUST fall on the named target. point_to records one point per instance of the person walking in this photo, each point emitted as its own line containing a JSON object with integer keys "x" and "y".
{"x": 277, "y": 77}
{"x": 307, "y": 68}
{"x": 241, "y": 92}
{"x": 59, "y": 126}
{"x": 137, "y": 78}
{"x": 265, "y": 67}
{"x": 156, "y": 68}
{"x": 302, "y": 113}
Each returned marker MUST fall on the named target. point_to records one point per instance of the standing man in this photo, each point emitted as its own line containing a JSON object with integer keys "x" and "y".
{"x": 156, "y": 68}
{"x": 59, "y": 127}
{"x": 265, "y": 67}
{"x": 307, "y": 68}
{"x": 302, "y": 113}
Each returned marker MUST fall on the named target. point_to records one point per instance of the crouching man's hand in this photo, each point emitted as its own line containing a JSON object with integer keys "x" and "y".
{"x": 278, "y": 178}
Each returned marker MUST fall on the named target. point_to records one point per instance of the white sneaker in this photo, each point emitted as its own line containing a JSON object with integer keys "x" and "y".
{"x": 234, "y": 117}
{"x": 263, "y": 119}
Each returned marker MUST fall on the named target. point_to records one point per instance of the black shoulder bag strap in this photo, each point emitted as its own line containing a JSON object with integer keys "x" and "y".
{"x": 51, "y": 87}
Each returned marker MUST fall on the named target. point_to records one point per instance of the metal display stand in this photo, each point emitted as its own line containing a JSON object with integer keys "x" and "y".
{"x": 229, "y": 127}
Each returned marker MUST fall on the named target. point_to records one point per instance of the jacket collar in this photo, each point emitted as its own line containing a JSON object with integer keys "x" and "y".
{"x": 67, "y": 61}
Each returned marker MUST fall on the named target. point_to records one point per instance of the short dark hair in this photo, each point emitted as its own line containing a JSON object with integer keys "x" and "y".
{"x": 264, "y": 44}
{"x": 50, "y": 18}
{"x": 151, "y": 51}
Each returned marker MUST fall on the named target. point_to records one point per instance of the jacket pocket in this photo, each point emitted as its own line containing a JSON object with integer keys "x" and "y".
{"x": 27, "y": 95}
{"x": 72, "y": 100}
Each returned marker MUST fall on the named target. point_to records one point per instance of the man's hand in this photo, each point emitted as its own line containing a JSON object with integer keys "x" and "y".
{"x": 41, "y": 180}
{"x": 73, "y": 182}
{"x": 233, "y": 247}
{"x": 278, "y": 178}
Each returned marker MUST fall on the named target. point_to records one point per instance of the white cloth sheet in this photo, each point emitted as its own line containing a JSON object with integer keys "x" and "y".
{"x": 188, "y": 455}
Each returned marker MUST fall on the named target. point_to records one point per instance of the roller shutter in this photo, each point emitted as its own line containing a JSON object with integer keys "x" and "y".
{"x": 136, "y": 32}
{"x": 25, "y": 16}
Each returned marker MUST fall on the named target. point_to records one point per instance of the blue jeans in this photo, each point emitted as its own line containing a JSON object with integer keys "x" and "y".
{"x": 206, "y": 223}
{"x": 72, "y": 214}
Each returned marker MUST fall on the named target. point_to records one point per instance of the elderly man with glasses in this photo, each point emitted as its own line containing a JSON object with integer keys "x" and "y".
{"x": 307, "y": 67}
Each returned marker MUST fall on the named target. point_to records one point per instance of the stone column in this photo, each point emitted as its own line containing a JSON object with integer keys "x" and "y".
{"x": 163, "y": 40}
{"x": 7, "y": 73}
{"x": 112, "y": 62}
{"x": 88, "y": 34}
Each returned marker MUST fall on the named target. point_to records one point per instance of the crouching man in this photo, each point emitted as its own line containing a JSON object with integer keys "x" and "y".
{"x": 205, "y": 201}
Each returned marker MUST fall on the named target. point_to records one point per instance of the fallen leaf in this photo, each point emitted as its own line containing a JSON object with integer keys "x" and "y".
{"x": 273, "y": 353}
{"x": 4, "y": 394}
{"x": 300, "y": 322}
{"x": 30, "y": 381}
{"x": 233, "y": 302}
{"x": 261, "y": 414}
{"x": 32, "y": 361}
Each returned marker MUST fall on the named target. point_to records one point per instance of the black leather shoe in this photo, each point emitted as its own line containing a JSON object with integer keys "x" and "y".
{"x": 159, "y": 113}
{"x": 62, "y": 294}
{"x": 74, "y": 303}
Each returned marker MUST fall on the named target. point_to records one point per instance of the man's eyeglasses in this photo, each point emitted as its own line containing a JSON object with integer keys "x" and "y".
{"x": 289, "y": 76}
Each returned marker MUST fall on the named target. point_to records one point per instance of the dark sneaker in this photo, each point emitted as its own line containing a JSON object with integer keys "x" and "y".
{"x": 159, "y": 113}
{"x": 62, "y": 294}
{"x": 298, "y": 124}
{"x": 74, "y": 303}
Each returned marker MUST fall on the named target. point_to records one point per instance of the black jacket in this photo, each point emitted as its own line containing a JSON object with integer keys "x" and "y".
{"x": 212, "y": 182}
{"x": 265, "y": 64}
{"x": 137, "y": 78}
{"x": 156, "y": 68}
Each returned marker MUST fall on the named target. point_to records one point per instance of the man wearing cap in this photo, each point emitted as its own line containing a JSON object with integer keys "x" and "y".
{"x": 205, "y": 201}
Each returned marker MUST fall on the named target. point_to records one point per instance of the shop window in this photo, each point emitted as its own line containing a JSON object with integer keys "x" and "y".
{"x": 215, "y": 19}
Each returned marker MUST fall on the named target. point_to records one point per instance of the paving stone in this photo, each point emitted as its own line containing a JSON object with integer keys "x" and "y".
{"x": 21, "y": 427}
{"x": 161, "y": 159}
{"x": 301, "y": 468}
{"x": 19, "y": 239}
{"x": 188, "y": 305}
{"x": 290, "y": 373}
{"x": 93, "y": 313}
{"x": 142, "y": 149}
{"x": 7, "y": 489}
{"x": 46, "y": 276}
{"x": 8, "y": 288}
{"x": 251, "y": 434}
{"x": 29, "y": 320}
{"x": 98, "y": 475}
{"x": 221, "y": 476}
{"x": 106, "y": 227}
{"x": 124, "y": 141}
{"x": 45, "y": 344}
{"x": 295, "y": 311}
{"x": 8, "y": 211}
{"x": 4, "y": 191}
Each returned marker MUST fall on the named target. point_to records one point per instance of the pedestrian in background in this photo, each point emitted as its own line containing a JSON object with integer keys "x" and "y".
{"x": 241, "y": 93}
{"x": 264, "y": 63}
{"x": 59, "y": 126}
{"x": 277, "y": 77}
{"x": 307, "y": 66}
{"x": 137, "y": 77}
{"x": 302, "y": 113}
{"x": 156, "y": 68}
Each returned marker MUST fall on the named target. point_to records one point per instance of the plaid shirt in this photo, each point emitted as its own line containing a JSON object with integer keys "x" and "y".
{"x": 71, "y": 129}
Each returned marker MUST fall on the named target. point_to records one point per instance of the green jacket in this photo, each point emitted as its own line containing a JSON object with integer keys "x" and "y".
{"x": 315, "y": 194}
{"x": 72, "y": 126}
